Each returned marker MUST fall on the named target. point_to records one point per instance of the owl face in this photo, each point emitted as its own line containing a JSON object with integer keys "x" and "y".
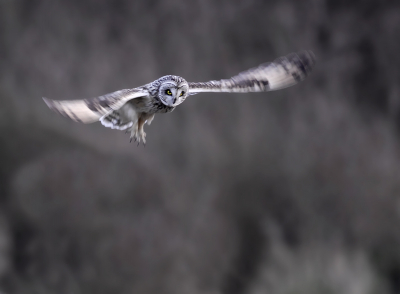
{"x": 173, "y": 92}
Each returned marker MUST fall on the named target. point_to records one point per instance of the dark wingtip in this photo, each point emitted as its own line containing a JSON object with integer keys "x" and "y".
{"x": 308, "y": 60}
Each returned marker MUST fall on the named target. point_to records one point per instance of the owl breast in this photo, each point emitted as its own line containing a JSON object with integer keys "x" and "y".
{"x": 150, "y": 105}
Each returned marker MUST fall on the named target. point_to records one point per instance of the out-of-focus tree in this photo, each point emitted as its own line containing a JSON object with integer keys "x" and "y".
{"x": 295, "y": 191}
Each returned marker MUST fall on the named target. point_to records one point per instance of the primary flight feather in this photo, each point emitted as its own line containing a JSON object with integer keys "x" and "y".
{"x": 130, "y": 109}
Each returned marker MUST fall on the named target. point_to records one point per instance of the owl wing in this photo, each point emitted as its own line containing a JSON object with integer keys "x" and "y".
{"x": 283, "y": 72}
{"x": 91, "y": 110}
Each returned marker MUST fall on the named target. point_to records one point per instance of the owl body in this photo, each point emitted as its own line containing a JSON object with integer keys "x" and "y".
{"x": 130, "y": 109}
{"x": 164, "y": 94}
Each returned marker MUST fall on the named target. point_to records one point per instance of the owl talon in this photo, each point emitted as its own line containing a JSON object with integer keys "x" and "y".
{"x": 143, "y": 135}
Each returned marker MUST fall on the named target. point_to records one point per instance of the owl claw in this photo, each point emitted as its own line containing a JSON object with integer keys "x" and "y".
{"x": 143, "y": 135}
{"x": 138, "y": 134}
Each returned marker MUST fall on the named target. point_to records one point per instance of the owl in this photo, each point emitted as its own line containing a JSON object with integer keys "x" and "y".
{"x": 130, "y": 109}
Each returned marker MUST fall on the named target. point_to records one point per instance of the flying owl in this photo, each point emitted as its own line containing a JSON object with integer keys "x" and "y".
{"x": 130, "y": 109}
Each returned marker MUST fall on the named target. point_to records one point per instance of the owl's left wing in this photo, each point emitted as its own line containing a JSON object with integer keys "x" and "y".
{"x": 281, "y": 73}
{"x": 91, "y": 110}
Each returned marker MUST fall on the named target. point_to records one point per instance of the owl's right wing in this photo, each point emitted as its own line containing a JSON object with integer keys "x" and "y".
{"x": 283, "y": 72}
{"x": 91, "y": 110}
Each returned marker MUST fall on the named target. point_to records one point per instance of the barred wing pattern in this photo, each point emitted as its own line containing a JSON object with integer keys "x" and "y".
{"x": 91, "y": 110}
{"x": 281, "y": 73}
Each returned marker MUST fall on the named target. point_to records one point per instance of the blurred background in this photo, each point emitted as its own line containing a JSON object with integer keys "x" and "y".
{"x": 294, "y": 191}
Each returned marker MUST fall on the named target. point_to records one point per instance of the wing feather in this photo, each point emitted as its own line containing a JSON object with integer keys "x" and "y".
{"x": 281, "y": 73}
{"x": 91, "y": 110}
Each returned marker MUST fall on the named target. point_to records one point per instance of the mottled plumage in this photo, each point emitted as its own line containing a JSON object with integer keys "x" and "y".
{"x": 130, "y": 109}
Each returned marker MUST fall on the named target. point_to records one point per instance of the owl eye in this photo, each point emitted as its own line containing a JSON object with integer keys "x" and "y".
{"x": 182, "y": 93}
{"x": 168, "y": 92}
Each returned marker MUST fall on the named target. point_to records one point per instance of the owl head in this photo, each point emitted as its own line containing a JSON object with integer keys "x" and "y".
{"x": 173, "y": 90}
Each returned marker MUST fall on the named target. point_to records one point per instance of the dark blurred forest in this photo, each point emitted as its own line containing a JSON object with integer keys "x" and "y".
{"x": 294, "y": 191}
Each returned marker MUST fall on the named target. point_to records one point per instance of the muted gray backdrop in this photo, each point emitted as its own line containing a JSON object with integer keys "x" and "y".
{"x": 295, "y": 191}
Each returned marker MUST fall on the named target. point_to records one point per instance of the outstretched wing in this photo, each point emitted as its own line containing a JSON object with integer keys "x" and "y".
{"x": 281, "y": 73}
{"x": 91, "y": 110}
